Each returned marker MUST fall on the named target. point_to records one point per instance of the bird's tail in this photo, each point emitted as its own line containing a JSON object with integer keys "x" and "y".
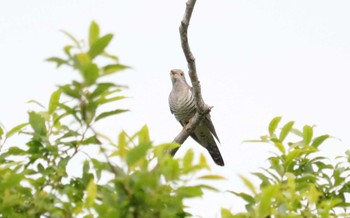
{"x": 216, "y": 155}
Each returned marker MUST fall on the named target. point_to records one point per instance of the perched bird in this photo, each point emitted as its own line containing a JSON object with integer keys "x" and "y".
{"x": 183, "y": 106}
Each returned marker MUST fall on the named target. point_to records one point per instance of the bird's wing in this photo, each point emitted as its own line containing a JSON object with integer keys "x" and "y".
{"x": 209, "y": 124}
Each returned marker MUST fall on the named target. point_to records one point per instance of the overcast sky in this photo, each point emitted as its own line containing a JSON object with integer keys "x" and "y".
{"x": 255, "y": 60}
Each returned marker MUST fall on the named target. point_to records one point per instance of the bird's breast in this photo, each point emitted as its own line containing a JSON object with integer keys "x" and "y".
{"x": 182, "y": 105}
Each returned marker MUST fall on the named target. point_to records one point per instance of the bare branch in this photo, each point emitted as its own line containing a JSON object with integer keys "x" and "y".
{"x": 202, "y": 108}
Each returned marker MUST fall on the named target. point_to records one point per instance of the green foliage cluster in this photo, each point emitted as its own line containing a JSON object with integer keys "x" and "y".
{"x": 129, "y": 177}
{"x": 298, "y": 182}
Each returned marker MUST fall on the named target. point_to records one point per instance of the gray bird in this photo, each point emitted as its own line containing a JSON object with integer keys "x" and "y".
{"x": 183, "y": 106}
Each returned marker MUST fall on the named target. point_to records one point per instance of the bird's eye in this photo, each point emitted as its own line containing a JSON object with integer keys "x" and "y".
{"x": 181, "y": 74}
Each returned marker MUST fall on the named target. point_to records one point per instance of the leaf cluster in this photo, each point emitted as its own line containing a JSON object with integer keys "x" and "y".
{"x": 298, "y": 181}
{"x": 128, "y": 177}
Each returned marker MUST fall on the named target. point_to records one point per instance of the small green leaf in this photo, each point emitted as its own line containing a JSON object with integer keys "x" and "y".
{"x": 212, "y": 177}
{"x": 112, "y": 57}
{"x": 319, "y": 140}
{"x": 36, "y": 102}
{"x": 267, "y": 195}
{"x": 249, "y": 184}
{"x": 37, "y": 122}
{"x": 225, "y": 213}
{"x": 122, "y": 144}
{"x": 264, "y": 179}
{"x": 143, "y": 135}
{"x": 113, "y": 68}
{"x": 99, "y": 45}
{"x": 109, "y": 113}
{"x": 76, "y": 42}
{"x": 188, "y": 159}
{"x": 307, "y": 134}
{"x": 54, "y": 100}
{"x": 137, "y": 153}
{"x": 67, "y": 49}
{"x": 91, "y": 140}
{"x": 285, "y": 130}
{"x": 16, "y": 129}
{"x": 108, "y": 100}
{"x": 278, "y": 145}
{"x": 189, "y": 191}
{"x": 273, "y": 125}
{"x": 1, "y": 133}
{"x": 248, "y": 198}
{"x": 90, "y": 73}
{"x": 15, "y": 151}
{"x": 80, "y": 60}
{"x": 91, "y": 193}
{"x": 58, "y": 61}
{"x": 68, "y": 90}
{"x": 94, "y": 32}
{"x": 101, "y": 88}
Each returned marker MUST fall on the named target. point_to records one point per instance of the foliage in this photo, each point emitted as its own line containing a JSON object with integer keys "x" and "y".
{"x": 298, "y": 182}
{"x": 129, "y": 177}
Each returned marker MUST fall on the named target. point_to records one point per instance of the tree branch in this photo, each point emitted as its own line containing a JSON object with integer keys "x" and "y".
{"x": 202, "y": 108}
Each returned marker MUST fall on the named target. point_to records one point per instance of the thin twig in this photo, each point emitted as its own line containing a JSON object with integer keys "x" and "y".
{"x": 202, "y": 108}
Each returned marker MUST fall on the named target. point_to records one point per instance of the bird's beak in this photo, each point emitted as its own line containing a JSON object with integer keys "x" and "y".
{"x": 172, "y": 73}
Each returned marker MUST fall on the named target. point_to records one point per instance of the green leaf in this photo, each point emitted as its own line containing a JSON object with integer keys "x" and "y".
{"x": 90, "y": 73}
{"x": 285, "y": 130}
{"x": 91, "y": 193}
{"x": 16, "y": 129}
{"x": 264, "y": 179}
{"x": 68, "y": 90}
{"x": 108, "y": 100}
{"x": 15, "y": 151}
{"x": 109, "y": 113}
{"x": 76, "y": 42}
{"x": 249, "y": 184}
{"x": 212, "y": 177}
{"x": 248, "y": 198}
{"x": 188, "y": 159}
{"x": 58, "y": 61}
{"x": 109, "y": 56}
{"x": 225, "y": 213}
{"x": 296, "y": 132}
{"x": 273, "y": 125}
{"x": 307, "y": 134}
{"x": 113, "y": 68}
{"x": 267, "y": 195}
{"x": 80, "y": 60}
{"x": 143, "y": 135}
{"x": 67, "y": 49}
{"x": 1, "y": 133}
{"x": 91, "y": 140}
{"x": 37, "y": 122}
{"x": 94, "y": 32}
{"x": 278, "y": 145}
{"x": 36, "y": 102}
{"x": 319, "y": 140}
{"x": 189, "y": 191}
{"x": 137, "y": 153}
{"x": 122, "y": 144}
{"x": 54, "y": 100}
{"x": 99, "y": 45}
{"x": 101, "y": 88}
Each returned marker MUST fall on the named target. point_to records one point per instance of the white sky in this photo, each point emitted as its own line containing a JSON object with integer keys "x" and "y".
{"x": 255, "y": 59}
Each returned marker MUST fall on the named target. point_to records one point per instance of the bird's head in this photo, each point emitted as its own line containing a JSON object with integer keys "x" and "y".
{"x": 177, "y": 75}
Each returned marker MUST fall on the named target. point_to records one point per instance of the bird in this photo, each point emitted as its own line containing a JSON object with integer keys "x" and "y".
{"x": 182, "y": 105}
